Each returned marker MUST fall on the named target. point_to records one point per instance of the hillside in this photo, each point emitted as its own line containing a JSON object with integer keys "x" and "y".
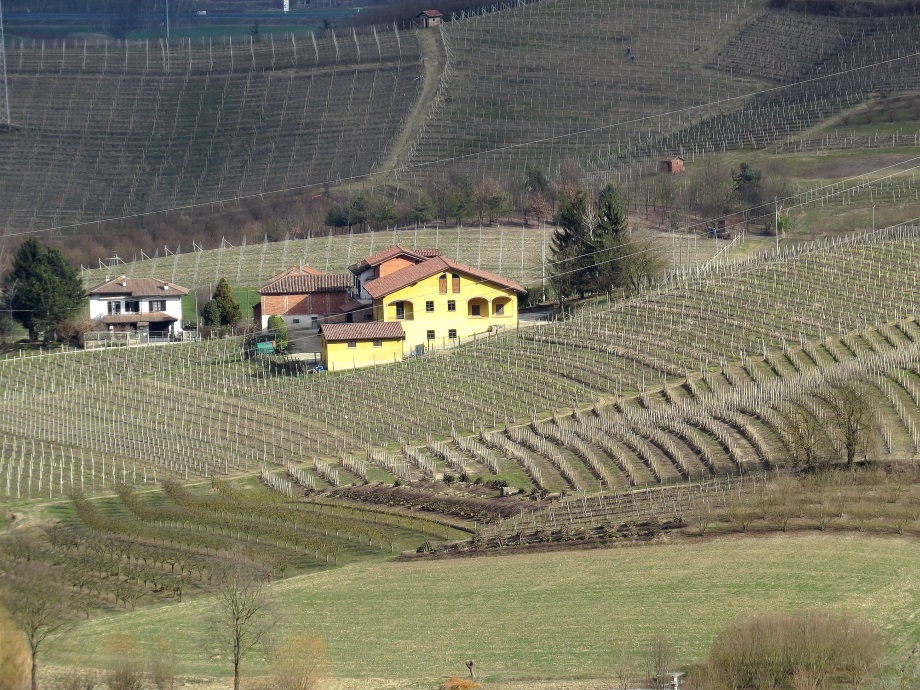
{"x": 555, "y": 80}
{"x": 717, "y": 357}
{"x": 113, "y": 129}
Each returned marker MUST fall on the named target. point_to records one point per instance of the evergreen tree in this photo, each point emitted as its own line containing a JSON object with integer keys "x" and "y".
{"x": 210, "y": 314}
{"x": 42, "y": 289}
{"x": 227, "y": 306}
{"x": 611, "y": 240}
{"x": 572, "y": 245}
{"x": 422, "y": 211}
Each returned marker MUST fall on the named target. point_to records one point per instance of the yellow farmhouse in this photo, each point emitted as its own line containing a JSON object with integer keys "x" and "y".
{"x": 436, "y": 301}
{"x": 353, "y": 345}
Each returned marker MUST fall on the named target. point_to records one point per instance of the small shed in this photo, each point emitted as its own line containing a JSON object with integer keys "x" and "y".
{"x": 672, "y": 166}
{"x": 428, "y": 18}
{"x": 353, "y": 345}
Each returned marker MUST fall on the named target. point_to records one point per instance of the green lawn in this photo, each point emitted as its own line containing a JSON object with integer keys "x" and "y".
{"x": 555, "y": 615}
{"x": 247, "y": 298}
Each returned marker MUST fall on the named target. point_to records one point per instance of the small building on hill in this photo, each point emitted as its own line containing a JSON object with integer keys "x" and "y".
{"x": 147, "y": 306}
{"x": 427, "y": 18}
{"x": 354, "y": 345}
{"x": 673, "y": 165}
{"x": 302, "y": 296}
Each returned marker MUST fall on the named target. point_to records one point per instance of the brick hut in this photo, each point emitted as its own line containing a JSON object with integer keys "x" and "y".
{"x": 428, "y": 18}
{"x": 672, "y": 166}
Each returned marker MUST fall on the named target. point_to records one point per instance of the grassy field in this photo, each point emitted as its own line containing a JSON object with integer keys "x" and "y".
{"x": 555, "y": 615}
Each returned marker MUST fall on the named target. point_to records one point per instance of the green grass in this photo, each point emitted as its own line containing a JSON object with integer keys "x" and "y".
{"x": 247, "y": 298}
{"x": 554, "y": 615}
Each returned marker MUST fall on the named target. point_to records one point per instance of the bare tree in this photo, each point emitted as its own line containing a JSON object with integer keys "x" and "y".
{"x": 39, "y": 605}
{"x": 853, "y": 422}
{"x": 243, "y": 618}
{"x": 805, "y": 434}
{"x": 163, "y": 662}
{"x": 659, "y": 660}
{"x": 624, "y": 669}
{"x": 127, "y": 671}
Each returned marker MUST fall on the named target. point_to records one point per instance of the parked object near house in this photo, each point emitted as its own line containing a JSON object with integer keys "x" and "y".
{"x": 147, "y": 306}
{"x": 354, "y": 345}
{"x": 428, "y": 18}
{"x": 673, "y": 165}
{"x": 303, "y": 296}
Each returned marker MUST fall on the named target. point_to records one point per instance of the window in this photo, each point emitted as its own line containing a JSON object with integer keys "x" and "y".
{"x": 452, "y": 334}
{"x": 378, "y": 343}
{"x": 429, "y": 335}
{"x": 400, "y": 310}
{"x": 158, "y": 305}
{"x": 296, "y": 320}
{"x": 455, "y": 280}
{"x": 451, "y": 305}
{"x": 132, "y": 306}
{"x": 114, "y": 307}
{"x": 429, "y": 306}
{"x": 442, "y": 284}
{"x": 499, "y": 309}
{"x": 352, "y": 343}
{"x": 474, "y": 310}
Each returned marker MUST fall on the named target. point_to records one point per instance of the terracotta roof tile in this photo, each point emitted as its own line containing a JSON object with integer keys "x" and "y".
{"x": 295, "y": 270}
{"x": 391, "y": 252}
{"x": 353, "y": 305}
{"x": 430, "y": 13}
{"x": 374, "y": 330}
{"x": 412, "y": 274}
{"x": 138, "y": 287}
{"x": 299, "y": 284}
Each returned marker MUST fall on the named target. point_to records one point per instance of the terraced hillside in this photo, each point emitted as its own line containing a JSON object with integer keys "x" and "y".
{"x": 756, "y": 332}
{"x": 557, "y": 79}
{"x": 109, "y": 129}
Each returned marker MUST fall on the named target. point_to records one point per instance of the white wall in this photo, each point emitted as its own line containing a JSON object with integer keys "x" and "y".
{"x": 99, "y": 306}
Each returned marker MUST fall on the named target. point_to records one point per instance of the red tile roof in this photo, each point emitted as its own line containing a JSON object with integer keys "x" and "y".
{"x": 300, "y": 284}
{"x": 430, "y": 13}
{"x": 412, "y": 274}
{"x": 138, "y": 287}
{"x": 390, "y": 253}
{"x": 143, "y": 317}
{"x": 295, "y": 270}
{"x": 374, "y": 330}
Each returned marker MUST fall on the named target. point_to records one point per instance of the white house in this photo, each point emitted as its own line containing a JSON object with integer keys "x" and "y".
{"x": 146, "y": 305}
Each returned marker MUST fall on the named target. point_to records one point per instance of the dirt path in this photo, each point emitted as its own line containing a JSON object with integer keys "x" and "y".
{"x": 433, "y": 59}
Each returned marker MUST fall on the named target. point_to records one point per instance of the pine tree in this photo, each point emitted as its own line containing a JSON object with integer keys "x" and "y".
{"x": 611, "y": 240}
{"x": 42, "y": 289}
{"x": 228, "y": 307}
{"x": 572, "y": 246}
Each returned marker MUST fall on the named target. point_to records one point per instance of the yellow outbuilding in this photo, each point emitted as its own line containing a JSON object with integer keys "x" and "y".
{"x": 353, "y": 345}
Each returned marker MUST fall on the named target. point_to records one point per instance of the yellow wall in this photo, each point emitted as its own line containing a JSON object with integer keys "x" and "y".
{"x": 441, "y": 320}
{"x": 338, "y": 356}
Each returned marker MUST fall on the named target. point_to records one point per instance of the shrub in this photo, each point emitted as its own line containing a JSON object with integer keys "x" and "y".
{"x": 773, "y": 649}
{"x": 456, "y": 683}
{"x": 277, "y": 326}
{"x": 299, "y": 663}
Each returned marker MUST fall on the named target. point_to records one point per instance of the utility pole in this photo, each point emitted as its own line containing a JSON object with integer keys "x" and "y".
{"x": 5, "y": 122}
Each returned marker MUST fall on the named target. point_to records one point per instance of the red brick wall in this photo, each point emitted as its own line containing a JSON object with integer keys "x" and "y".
{"x": 321, "y": 303}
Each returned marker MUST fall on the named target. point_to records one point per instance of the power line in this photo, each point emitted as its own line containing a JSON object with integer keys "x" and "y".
{"x": 354, "y": 178}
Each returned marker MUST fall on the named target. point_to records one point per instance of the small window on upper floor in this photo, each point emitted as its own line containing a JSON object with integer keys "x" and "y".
{"x": 455, "y": 280}
{"x": 452, "y": 333}
{"x": 429, "y": 335}
{"x": 442, "y": 284}
{"x": 158, "y": 305}
{"x": 352, "y": 343}
{"x": 378, "y": 343}
{"x": 429, "y": 306}
{"x": 451, "y": 305}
